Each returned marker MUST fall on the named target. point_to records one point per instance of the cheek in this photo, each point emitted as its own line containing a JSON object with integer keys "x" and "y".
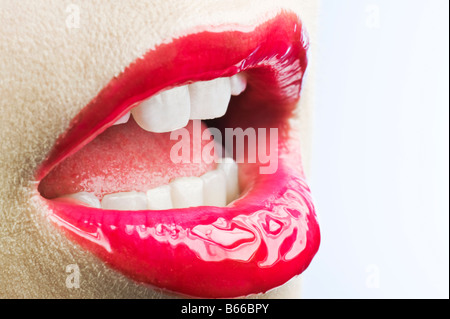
{"x": 38, "y": 262}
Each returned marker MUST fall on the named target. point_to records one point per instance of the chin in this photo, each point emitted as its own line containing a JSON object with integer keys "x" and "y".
{"x": 160, "y": 149}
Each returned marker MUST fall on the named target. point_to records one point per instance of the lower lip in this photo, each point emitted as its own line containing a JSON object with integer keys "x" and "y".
{"x": 255, "y": 244}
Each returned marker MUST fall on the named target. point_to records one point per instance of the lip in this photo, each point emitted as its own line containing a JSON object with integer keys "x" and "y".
{"x": 256, "y": 243}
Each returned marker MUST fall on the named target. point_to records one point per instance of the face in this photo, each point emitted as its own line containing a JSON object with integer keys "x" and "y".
{"x": 142, "y": 222}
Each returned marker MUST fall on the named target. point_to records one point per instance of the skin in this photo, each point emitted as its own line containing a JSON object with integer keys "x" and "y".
{"x": 48, "y": 73}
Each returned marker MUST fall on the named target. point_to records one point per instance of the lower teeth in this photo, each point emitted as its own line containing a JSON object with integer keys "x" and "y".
{"x": 215, "y": 188}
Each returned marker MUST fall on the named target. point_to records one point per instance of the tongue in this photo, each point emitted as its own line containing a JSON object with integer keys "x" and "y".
{"x": 127, "y": 158}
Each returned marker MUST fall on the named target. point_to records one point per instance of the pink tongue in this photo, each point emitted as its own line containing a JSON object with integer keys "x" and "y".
{"x": 126, "y": 158}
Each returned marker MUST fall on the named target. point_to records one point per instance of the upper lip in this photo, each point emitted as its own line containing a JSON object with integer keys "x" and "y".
{"x": 265, "y": 238}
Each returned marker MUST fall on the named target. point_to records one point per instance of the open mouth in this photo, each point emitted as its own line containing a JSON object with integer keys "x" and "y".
{"x": 212, "y": 227}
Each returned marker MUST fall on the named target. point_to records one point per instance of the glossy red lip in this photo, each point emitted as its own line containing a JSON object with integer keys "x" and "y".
{"x": 256, "y": 243}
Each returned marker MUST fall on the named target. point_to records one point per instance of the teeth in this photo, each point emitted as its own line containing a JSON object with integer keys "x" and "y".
{"x": 209, "y": 99}
{"x": 214, "y": 188}
{"x": 125, "y": 201}
{"x": 168, "y": 111}
{"x": 159, "y": 198}
{"x": 230, "y": 168}
{"x": 124, "y": 119}
{"x": 86, "y": 198}
{"x": 172, "y": 109}
{"x": 238, "y": 84}
{"x": 187, "y": 192}
{"x": 165, "y": 112}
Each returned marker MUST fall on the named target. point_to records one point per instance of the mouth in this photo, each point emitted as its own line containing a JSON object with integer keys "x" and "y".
{"x": 216, "y": 227}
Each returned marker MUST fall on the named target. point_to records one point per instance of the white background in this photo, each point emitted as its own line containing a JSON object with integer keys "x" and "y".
{"x": 381, "y": 160}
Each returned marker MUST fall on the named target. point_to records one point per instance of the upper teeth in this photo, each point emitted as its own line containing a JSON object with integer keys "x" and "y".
{"x": 215, "y": 188}
{"x": 168, "y": 111}
{"x": 165, "y": 112}
{"x": 209, "y": 99}
{"x": 123, "y": 119}
{"x": 238, "y": 84}
{"x": 172, "y": 109}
